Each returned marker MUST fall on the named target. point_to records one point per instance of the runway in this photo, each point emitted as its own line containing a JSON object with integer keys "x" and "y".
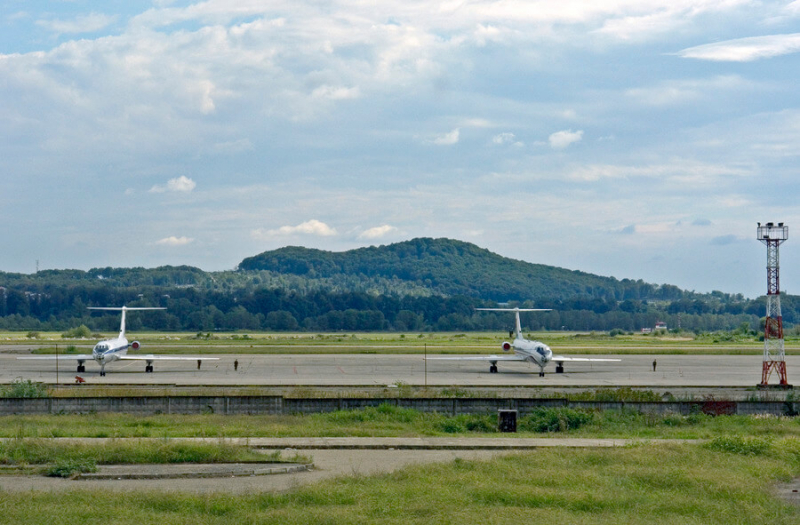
{"x": 383, "y": 370}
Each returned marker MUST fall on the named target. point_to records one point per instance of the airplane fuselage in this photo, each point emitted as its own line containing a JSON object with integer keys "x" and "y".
{"x": 535, "y": 352}
{"x": 110, "y": 350}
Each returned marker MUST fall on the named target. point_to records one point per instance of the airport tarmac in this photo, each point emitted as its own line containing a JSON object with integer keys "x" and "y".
{"x": 382, "y": 370}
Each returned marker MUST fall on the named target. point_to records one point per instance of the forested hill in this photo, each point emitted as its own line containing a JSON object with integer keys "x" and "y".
{"x": 421, "y": 284}
{"x": 451, "y": 267}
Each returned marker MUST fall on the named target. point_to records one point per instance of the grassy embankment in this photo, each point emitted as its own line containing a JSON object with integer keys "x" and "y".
{"x": 62, "y": 459}
{"x": 727, "y": 481}
{"x": 415, "y": 343}
{"x": 390, "y": 421}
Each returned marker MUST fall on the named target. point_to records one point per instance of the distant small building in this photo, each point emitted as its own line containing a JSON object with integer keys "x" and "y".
{"x": 661, "y": 325}
{"x": 647, "y": 330}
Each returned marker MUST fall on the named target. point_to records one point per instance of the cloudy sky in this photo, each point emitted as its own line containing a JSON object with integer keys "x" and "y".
{"x": 636, "y": 139}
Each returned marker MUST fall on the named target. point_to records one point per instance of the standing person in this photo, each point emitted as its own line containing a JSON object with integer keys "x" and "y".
{"x": 235, "y": 365}
{"x": 654, "y": 365}
{"x": 199, "y": 362}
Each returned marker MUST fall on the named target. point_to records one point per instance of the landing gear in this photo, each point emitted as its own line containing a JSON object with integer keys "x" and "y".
{"x": 81, "y": 368}
{"x": 493, "y": 369}
{"x": 148, "y": 369}
{"x": 541, "y": 372}
{"x": 102, "y": 372}
{"x": 559, "y": 369}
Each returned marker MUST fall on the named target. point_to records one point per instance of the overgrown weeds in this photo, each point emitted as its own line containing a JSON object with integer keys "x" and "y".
{"x": 24, "y": 388}
{"x": 65, "y": 453}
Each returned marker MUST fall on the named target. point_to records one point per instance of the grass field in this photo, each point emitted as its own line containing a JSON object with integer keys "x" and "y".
{"x": 725, "y": 482}
{"x": 391, "y": 421}
{"x": 730, "y": 479}
{"x": 412, "y": 343}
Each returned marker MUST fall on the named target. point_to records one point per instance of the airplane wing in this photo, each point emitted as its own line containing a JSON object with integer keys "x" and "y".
{"x": 165, "y": 358}
{"x": 67, "y": 357}
{"x": 562, "y": 358}
{"x": 483, "y": 358}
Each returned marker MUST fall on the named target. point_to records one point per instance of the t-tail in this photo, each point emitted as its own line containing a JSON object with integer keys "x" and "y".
{"x": 123, "y": 309}
{"x": 518, "y": 330}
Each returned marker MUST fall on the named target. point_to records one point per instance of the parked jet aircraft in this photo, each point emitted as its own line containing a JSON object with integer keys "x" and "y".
{"x": 534, "y": 352}
{"x": 116, "y": 349}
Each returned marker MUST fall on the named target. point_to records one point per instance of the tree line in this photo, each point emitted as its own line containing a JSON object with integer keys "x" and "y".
{"x": 59, "y": 308}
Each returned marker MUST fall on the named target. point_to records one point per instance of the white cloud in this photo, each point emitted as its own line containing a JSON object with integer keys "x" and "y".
{"x": 562, "y": 139}
{"x": 447, "y": 139}
{"x": 477, "y": 123}
{"x": 377, "y": 232}
{"x": 81, "y": 24}
{"x": 745, "y": 49}
{"x": 688, "y": 91}
{"x": 180, "y": 184}
{"x": 174, "y": 241}
{"x": 312, "y": 227}
{"x": 336, "y": 93}
{"x": 503, "y": 138}
{"x": 681, "y": 172}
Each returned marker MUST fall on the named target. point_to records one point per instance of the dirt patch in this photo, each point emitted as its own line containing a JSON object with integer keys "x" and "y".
{"x": 327, "y": 464}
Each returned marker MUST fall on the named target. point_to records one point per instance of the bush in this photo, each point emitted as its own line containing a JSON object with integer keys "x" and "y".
{"x": 24, "y": 388}
{"x": 78, "y": 332}
{"x": 452, "y": 426}
{"x": 65, "y": 468}
{"x": 560, "y": 419}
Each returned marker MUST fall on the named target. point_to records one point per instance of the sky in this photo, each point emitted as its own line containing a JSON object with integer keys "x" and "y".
{"x": 633, "y": 139}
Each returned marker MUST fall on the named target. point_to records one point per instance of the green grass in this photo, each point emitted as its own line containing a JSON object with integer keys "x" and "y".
{"x": 411, "y": 343}
{"x": 390, "y": 421}
{"x": 665, "y": 484}
{"x": 43, "y": 451}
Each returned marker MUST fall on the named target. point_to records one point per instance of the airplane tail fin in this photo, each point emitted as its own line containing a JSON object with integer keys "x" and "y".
{"x": 518, "y": 331}
{"x": 123, "y": 309}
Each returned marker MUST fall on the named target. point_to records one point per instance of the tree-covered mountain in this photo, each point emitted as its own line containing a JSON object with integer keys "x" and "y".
{"x": 421, "y": 284}
{"x": 450, "y": 267}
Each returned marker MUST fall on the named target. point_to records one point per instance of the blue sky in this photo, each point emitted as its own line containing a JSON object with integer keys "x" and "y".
{"x": 634, "y": 139}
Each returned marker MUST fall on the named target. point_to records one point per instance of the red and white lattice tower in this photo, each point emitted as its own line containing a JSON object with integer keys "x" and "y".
{"x": 774, "y": 356}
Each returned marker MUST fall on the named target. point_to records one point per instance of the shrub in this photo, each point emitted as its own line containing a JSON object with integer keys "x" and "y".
{"x": 452, "y": 426}
{"x": 78, "y": 332}
{"x": 560, "y": 419}
{"x": 65, "y": 468}
{"x": 24, "y": 388}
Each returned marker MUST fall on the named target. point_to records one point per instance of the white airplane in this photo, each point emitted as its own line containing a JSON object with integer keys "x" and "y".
{"x": 116, "y": 349}
{"x": 534, "y": 352}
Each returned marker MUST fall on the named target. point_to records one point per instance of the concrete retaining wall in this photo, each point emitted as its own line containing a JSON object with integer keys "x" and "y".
{"x": 275, "y": 405}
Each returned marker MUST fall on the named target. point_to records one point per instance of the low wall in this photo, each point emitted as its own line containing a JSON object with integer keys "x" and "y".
{"x": 276, "y": 405}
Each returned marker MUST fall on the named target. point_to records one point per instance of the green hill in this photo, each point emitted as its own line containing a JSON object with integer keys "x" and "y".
{"x": 451, "y": 267}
